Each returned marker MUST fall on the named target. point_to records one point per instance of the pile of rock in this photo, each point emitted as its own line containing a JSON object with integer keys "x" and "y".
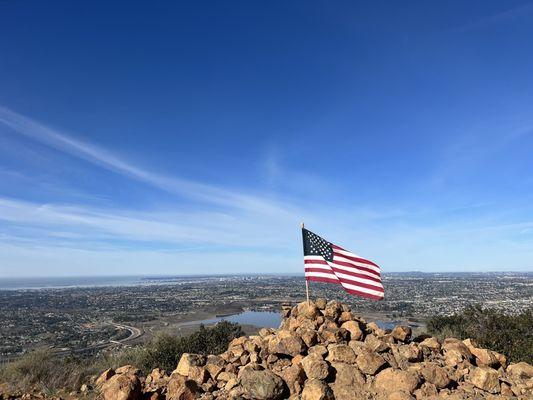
{"x": 322, "y": 351}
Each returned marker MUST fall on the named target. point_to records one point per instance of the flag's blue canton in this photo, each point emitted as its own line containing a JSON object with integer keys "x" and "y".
{"x": 314, "y": 245}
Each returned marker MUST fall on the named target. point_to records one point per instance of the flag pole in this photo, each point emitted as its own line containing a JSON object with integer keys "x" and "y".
{"x": 306, "y": 281}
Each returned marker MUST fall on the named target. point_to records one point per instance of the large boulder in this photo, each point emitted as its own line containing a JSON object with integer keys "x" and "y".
{"x": 485, "y": 378}
{"x": 287, "y": 343}
{"x": 262, "y": 385}
{"x": 121, "y": 387}
{"x": 340, "y": 353}
{"x": 347, "y": 375}
{"x": 354, "y": 328}
{"x": 308, "y": 310}
{"x": 436, "y": 375}
{"x": 521, "y": 370}
{"x": 401, "y": 333}
{"x": 485, "y": 357}
{"x": 104, "y": 376}
{"x": 369, "y": 362}
{"x": 181, "y": 388}
{"x": 315, "y": 367}
{"x": 333, "y": 310}
{"x": 315, "y": 389}
{"x": 187, "y": 361}
{"x": 294, "y": 377}
{"x": 394, "y": 380}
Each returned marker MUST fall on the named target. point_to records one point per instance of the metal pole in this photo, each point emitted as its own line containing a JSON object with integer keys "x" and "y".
{"x": 306, "y": 281}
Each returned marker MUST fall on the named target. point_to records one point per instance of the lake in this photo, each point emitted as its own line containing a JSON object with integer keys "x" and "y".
{"x": 262, "y": 319}
{"x": 269, "y": 319}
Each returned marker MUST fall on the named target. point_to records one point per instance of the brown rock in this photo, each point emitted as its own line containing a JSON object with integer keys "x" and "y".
{"x": 401, "y": 333}
{"x": 485, "y": 378}
{"x": 265, "y": 332}
{"x": 309, "y": 336}
{"x": 315, "y": 367}
{"x": 181, "y": 388}
{"x": 345, "y": 316}
{"x": 321, "y": 303}
{"x": 340, "y": 353}
{"x": 399, "y": 396}
{"x": 121, "y": 387}
{"x": 285, "y": 310}
{"x": 431, "y": 343}
{"x": 376, "y": 344}
{"x": 410, "y": 352}
{"x": 319, "y": 350}
{"x": 262, "y": 385}
{"x": 427, "y": 390}
{"x": 369, "y": 362}
{"x": 128, "y": 370}
{"x": 214, "y": 370}
{"x": 521, "y": 370}
{"x": 436, "y": 375}
{"x": 333, "y": 310}
{"x": 394, "y": 380}
{"x": 188, "y": 360}
{"x": 457, "y": 345}
{"x": 357, "y": 346}
{"x": 104, "y": 376}
{"x": 355, "y": 330}
{"x": 287, "y": 343}
{"x": 315, "y": 389}
{"x": 308, "y": 310}
{"x": 347, "y": 375}
{"x": 156, "y": 379}
{"x": 198, "y": 374}
{"x": 346, "y": 392}
{"x": 484, "y": 357}
{"x": 231, "y": 384}
{"x": 470, "y": 343}
{"x": 238, "y": 341}
{"x": 225, "y": 376}
{"x": 294, "y": 377}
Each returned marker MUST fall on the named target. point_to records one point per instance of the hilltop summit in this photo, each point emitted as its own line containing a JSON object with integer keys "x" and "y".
{"x": 322, "y": 351}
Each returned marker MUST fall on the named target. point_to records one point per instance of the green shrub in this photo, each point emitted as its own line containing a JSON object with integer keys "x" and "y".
{"x": 166, "y": 350}
{"x": 505, "y": 333}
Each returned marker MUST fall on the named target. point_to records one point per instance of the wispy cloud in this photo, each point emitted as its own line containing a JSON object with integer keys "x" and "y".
{"x": 106, "y": 159}
{"x": 240, "y": 231}
{"x": 498, "y": 18}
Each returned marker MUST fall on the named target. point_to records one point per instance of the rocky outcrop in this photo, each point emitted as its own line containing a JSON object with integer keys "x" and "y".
{"x": 322, "y": 351}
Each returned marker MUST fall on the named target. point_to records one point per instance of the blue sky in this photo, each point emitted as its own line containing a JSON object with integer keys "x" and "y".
{"x": 193, "y": 137}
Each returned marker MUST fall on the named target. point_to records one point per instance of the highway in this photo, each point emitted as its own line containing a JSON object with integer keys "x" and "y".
{"x": 135, "y": 333}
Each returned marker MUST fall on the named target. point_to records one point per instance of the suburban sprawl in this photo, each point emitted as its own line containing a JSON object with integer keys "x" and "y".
{"x": 91, "y": 319}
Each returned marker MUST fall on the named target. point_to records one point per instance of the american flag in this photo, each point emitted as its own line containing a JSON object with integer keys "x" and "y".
{"x": 326, "y": 262}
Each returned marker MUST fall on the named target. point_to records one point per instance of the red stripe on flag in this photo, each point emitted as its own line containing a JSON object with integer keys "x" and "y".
{"x": 307, "y": 261}
{"x": 355, "y": 275}
{"x": 347, "y": 264}
{"x": 353, "y": 258}
{"x": 364, "y": 294}
{"x": 319, "y": 279}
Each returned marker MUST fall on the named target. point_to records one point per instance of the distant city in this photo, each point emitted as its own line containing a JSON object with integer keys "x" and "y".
{"x": 88, "y": 315}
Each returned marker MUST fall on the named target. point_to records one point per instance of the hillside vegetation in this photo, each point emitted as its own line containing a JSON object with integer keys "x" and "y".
{"x": 509, "y": 334}
{"x": 42, "y": 371}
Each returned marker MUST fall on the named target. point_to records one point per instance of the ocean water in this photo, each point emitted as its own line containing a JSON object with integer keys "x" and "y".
{"x": 89, "y": 281}
{"x": 99, "y": 281}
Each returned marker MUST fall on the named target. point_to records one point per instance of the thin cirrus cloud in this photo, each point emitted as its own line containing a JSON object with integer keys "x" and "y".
{"x": 103, "y": 158}
{"x": 239, "y": 233}
{"x": 233, "y": 224}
